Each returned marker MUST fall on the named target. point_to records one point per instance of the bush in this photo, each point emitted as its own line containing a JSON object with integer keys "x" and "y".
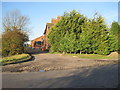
{"x": 12, "y": 42}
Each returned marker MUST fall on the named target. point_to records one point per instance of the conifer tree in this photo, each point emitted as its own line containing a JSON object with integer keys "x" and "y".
{"x": 65, "y": 33}
{"x": 114, "y": 37}
{"x": 101, "y": 35}
{"x": 75, "y": 33}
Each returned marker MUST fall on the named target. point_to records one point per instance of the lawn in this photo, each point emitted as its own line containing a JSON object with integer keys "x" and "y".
{"x": 93, "y": 56}
{"x": 14, "y": 59}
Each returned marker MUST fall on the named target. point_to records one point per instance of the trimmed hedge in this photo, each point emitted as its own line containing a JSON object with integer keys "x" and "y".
{"x": 15, "y": 59}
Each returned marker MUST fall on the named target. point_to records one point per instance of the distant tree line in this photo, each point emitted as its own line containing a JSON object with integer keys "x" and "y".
{"x": 75, "y": 33}
{"x": 14, "y": 33}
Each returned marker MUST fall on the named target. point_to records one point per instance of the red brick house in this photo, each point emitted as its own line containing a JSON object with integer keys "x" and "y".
{"x": 37, "y": 42}
{"x": 42, "y": 41}
{"x": 48, "y": 26}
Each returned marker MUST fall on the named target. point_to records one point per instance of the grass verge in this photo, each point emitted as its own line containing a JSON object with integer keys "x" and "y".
{"x": 92, "y": 56}
{"x": 14, "y": 59}
{"x": 54, "y": 53}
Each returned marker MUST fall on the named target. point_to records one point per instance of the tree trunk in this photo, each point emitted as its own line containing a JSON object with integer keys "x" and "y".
{"x": 80, "y": 52}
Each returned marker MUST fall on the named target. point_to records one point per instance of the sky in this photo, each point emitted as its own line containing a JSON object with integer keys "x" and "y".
{"x": 41, "y": 13}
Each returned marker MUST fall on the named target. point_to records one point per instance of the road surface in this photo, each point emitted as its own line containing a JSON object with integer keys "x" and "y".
{"x": 88, "y": 77}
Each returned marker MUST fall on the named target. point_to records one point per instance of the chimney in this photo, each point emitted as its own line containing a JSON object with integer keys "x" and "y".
{"x": 53, "y": 20}
{"x": 58, "y": 18}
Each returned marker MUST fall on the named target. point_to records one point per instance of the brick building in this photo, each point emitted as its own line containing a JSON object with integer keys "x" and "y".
{"x": 37, "y": 42}
{"x": 42, "y": 41}
{"x": 48, "y": 26}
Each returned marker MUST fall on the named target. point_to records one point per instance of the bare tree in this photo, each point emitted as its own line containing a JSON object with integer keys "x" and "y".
{"x": 15, "y": 19}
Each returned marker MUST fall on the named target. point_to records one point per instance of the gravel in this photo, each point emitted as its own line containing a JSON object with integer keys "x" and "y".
{"x": 49, "y": 62}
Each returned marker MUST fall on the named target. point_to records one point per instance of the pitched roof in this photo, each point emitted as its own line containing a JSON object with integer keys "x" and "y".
{"x": 48, "y": 25}
{"x": 38, "y": 38}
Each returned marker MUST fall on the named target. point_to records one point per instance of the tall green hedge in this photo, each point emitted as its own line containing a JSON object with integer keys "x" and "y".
{"x": 75, "y": 33}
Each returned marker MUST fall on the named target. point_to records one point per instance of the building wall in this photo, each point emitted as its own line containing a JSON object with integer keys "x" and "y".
{"x": 37, "y": 39}
{"x": 46, "y": 45}
{"x": 53, "y": 21}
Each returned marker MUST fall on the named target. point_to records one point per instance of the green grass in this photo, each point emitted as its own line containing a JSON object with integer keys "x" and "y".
{"x": 14, "y": 59}
{"x": 92, "y": 56}
{"x": 54, "y": 52}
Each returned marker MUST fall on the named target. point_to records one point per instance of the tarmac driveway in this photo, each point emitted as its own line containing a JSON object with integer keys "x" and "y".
{"x": 50, "y": 62}
{"x": 61, "y": 72}
{"x": 91, "y": 77}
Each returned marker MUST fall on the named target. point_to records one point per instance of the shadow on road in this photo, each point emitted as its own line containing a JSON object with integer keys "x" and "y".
{"x": 99, "y": 77}
{"x": 102, "y": 77}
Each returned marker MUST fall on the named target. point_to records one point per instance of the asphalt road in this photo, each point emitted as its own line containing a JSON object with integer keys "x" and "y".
{"x": 89, "y": 77}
